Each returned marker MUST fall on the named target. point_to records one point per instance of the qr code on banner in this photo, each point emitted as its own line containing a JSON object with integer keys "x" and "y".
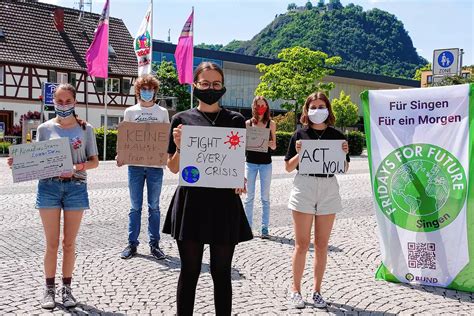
{"x": 421, "y": 255}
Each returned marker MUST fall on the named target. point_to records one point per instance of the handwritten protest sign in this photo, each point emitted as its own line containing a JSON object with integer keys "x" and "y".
{"x": 142, "y": 144}
{"x": 212, "y": 157}
{"x": 321, "y": 156}
{"x": 41, "y": 160}
{"x": 257, "y": 139}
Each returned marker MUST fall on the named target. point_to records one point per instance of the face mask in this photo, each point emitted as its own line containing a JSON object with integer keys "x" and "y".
{"x": 147, "y": 95}
{"x": 209, "y": 96}
{"x": 261, "y": 110}
{"x": 64, "y": 111}
{"x": 318, "y": 116}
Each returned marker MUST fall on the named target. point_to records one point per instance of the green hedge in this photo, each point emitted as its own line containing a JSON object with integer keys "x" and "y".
{"x": 283, "y": 140}
{"x": 4, "y": 147}
{"x": 111, "y": 143}
{"x": 356, "y": 141}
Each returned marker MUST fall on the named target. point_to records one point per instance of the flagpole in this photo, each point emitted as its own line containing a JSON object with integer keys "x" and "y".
{"x": 192, "y": 62}
{"x": 151, "y": 39}
{"x": 105, "y": 120}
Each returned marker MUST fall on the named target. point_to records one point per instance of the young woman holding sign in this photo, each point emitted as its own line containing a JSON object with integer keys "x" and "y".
{"x": 199, "y": 216}
{"x": 67, "y": 192}
{"x": 313, "y": 197}
{"x": 145, "y": 111}
{"x": 260, "y": 162}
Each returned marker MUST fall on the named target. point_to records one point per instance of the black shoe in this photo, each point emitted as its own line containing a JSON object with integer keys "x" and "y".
{"x": 157, "y": 252}
{"x": 129, "y": 252}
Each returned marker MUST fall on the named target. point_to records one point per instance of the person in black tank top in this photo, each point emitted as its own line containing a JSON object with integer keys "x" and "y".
{"x": 198, "y": 215}
{"x": 260, "y": 162}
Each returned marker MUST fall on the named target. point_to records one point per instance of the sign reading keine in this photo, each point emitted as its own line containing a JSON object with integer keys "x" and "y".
{"x": 212, "y": 157}
{"x": 419, "y": 143}
{"x": 257, "y": 139}
{"x": 321, "y": 156}
{"x": 143, "y": 144}
{"x": 41, "y": 160}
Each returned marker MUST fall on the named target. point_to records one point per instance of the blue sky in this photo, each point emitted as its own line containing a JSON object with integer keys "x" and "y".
{"x": 431, "y": 24}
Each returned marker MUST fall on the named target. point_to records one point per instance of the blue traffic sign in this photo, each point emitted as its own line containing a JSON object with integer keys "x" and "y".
{"x": 445, "y": 59}
{"x": 48, "y": 92}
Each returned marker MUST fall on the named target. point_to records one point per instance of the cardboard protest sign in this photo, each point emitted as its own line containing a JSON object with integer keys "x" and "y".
{"x": 41, "y": 160}
{"x": 212, "y": 157}
{"x": 143, "y": 144}
{"x": 257, "y": 139}
{"x": 322, "y": 156}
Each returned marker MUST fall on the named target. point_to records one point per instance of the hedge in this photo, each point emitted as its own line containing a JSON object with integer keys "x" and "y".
{"x": 356, "y": 141}
{"x": 4, "y": 147}
{"x": 111, "y": 143}
{"x": 283, "y": 140}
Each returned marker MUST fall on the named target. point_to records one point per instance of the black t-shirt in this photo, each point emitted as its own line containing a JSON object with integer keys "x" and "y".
{"x": 224, "y": 118}
{"x": 330, "y": 133}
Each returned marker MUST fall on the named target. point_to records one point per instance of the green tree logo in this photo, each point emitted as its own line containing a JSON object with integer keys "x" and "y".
{"x": 420, "y": 187}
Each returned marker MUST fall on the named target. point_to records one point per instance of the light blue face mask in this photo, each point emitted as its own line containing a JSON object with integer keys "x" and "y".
{"x": 64, "y": 111}
{"x": 147, "y": 95}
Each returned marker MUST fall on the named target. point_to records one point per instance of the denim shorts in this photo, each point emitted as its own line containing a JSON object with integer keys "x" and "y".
{"x": 67, "y": 195}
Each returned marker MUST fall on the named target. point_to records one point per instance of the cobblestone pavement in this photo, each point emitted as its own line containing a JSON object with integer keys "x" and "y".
{"x": 261, "y": 273}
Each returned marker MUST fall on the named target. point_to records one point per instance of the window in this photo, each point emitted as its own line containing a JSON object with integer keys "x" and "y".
{"x": 73, "y": 79}
{"x": 52, "y": 76}
{"x": 2, "y": 35}
{"x": 62, "y": 77}
{"x": 429, "y": 79}
{"x": 2, "y": 73}
{"x": 112, "y": 121}
{"x": 464, "y": 75}
{"x": 113, "y": 85}
{"x": 126, "y": 83}
{"x": 99, "y": 85}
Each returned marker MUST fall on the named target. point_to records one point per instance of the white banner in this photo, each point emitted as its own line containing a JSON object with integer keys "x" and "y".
{"x": 212, "y": 157}
{"x": 419, "y": 150}
{"x": 321, "y": 156}
{"x": 41, "y": 160}
{"x": 143, "y": 44}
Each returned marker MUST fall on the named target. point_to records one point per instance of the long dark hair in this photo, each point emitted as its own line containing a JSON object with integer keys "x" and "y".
{"x": 70, "y": 88}
{"x": 207, "y": 65}
{"x": 266, "y": 115}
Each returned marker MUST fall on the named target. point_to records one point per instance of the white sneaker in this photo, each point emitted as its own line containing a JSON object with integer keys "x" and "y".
{"x": 296, "y": 300}
{"x": 318, "y": 300}
{"x": 48, "y": 301}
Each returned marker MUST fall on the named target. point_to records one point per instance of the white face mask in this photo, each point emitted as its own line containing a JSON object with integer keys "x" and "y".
{"x": 318, "y": 116}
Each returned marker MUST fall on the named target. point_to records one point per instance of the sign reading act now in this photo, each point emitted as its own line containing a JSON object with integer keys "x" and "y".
{"x": 322, "y": 156}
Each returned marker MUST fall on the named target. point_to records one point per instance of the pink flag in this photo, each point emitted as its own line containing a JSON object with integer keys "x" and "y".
{"x": 184, "y": 53}
{"x": 97, "y": 56}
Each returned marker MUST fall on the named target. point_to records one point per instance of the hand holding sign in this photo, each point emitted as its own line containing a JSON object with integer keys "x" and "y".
{"x": 212, "y": 157}
{"x": 322, "y": 156}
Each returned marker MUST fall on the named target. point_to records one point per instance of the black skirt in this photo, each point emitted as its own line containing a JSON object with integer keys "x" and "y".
{"x": 207, "y": 215}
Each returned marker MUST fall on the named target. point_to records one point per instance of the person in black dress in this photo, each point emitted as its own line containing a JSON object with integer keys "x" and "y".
{"x": 199, "y": 216}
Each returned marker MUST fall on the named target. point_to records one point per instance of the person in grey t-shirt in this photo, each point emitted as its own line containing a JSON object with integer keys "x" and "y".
{"x": 68, "y": 192}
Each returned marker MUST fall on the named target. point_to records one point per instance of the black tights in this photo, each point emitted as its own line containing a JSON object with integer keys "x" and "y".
{"x": 190, "y": 253}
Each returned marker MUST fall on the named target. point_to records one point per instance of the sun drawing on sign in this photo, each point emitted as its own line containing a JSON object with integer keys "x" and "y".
{"x": 233, "y": 140}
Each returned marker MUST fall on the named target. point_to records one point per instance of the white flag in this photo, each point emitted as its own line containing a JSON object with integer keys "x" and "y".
{"x": 143, "y": 44}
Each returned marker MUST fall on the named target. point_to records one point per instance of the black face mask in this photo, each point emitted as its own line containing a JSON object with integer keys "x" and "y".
{"x": 209, "y": 96}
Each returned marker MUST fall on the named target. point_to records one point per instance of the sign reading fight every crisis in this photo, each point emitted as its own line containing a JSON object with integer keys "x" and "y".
{"x": 41, "y": 160}
{"x": 420, "y": 144}
{"x": 212, "y": 157}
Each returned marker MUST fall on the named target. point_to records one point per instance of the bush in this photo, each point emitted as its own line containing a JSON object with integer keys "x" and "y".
{"x": 356, "y": 141}
{"x": 4, "y": 147}
{"x": 111, "y": 142}
{"x": 285, "y": 122}
{"x": 283, "y": 140}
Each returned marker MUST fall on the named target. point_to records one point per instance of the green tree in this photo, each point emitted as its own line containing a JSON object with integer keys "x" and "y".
{"x": 308, "y": 5}
{"x": 170, "y": 86}
{"x": 210, "y": 46}
{"x": 453, "y": 80}
{"x": 321, "y": 4}
{"x": 297, "y": 75}
{"x": 420, "y": 70}
{"x": 345, "y": 111}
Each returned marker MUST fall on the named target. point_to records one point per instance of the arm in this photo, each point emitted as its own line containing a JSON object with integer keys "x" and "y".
{"x": 91, "y": 163}
{"x": 345, "y": 148}
{"x": 291, "y": 164}
{"x": 173, "y": 159}
{"x": 273, "y": 142}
